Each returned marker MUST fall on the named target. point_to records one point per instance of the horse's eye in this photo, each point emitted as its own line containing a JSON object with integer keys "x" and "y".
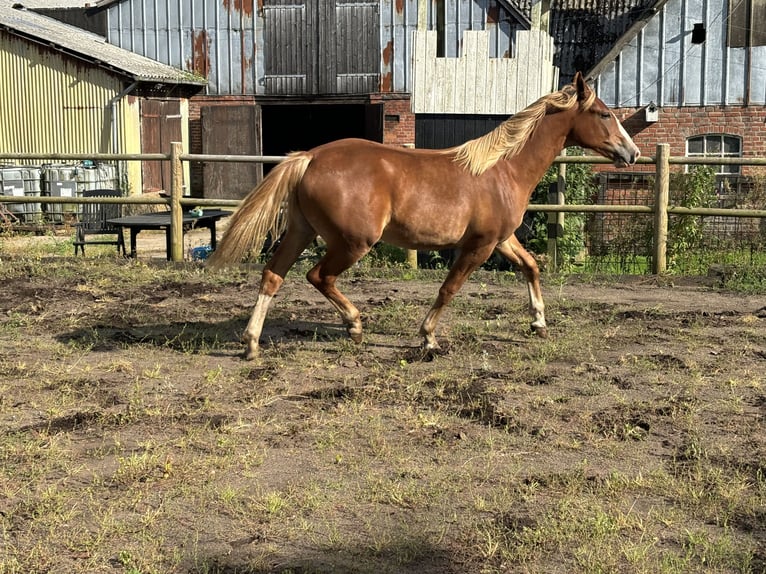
{"x": 605, "y": 115}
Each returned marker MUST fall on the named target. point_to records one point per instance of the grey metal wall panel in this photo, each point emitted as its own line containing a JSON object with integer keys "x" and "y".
{"x": 399, "y": 20}
{"x": 737, "y": 60}
{"x": 462, "y": 15}
{"x": 651, "y": 75}
{"x": 664, "y": 66}
{"x": 214, "y": 39}
{"x": 714, "y": 64}
{"x": 758, "y": 71}
{"x": 586, "y": 30}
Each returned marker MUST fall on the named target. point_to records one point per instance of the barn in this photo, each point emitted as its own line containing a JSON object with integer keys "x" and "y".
{"x": 66, "y": 90}
{"x": 285, "y": 75}
{"x": 291, "y": 74}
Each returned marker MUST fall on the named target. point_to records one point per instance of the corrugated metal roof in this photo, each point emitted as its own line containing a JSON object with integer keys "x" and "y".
{"x": 90, "y": 47}
{"x": 49, "y": 4}
{"x": 586, "y": 30}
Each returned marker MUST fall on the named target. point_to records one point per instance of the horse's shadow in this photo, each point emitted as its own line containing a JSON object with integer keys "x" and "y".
{"x": 224, "y": 338}
{"x": 221, "y": 338}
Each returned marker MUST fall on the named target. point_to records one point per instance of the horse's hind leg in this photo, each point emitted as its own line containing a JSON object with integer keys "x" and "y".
{"x": 324, "y": 275}
{"x": 295, "y": 240}
{"x": 513, "y": 251}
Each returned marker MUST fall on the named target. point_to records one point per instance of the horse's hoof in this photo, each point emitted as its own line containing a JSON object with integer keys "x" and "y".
{"x": 420, "y": 355}
{"x": 541, "y": 332}
{"x": 250, "y": 354}
{"x": 355, "y": 333}
{"x": 429, "y": 351}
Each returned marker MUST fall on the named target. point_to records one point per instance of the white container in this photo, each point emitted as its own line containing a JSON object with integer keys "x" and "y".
{"x": 59, "y": 181}
{"x": 96, "y": 176}
{"x": 32, "y": 177}
{"x": 11, "y": 183}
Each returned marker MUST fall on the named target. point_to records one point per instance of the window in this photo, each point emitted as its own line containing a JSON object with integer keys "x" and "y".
{"x": 716, "y": 145}
{"x": 441, "y": 34}
{"x": 728, "y": 179}
{"x": 747, "y": 23}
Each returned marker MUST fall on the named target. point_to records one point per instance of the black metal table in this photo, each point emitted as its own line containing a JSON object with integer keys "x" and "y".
{"x": 161, "y": 220}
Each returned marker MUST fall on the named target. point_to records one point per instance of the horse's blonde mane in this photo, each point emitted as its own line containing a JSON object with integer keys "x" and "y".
{"x": 505, "y": 141}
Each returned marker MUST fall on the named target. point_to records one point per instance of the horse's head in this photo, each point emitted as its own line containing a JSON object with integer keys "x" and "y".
{"x": 596, "y": 127}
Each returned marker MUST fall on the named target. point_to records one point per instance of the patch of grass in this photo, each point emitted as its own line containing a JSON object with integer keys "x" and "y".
{"x": 134, "y": 438}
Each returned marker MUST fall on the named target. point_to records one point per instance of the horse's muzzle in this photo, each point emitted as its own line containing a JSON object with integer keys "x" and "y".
{"x": 623, "y": 157}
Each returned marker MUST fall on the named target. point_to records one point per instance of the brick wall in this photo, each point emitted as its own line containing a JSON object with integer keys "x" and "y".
{"x": 398, "y": 119}
{"x": 676, "y": 124}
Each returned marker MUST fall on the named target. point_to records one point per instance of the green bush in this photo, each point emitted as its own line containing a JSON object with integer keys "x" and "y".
{"x": 579, "y": 188}
{"x": 697, "y": 188}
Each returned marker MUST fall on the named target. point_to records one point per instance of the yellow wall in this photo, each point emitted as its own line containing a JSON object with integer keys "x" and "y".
{"x": 53, "y": 104}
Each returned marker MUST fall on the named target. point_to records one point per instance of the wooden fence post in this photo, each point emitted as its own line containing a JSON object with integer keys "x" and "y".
{"x": 176, "y": 213}
{"x": 556, "y": 218}
{"x": 412, "y": 259}
{"x": 661, "y": 199}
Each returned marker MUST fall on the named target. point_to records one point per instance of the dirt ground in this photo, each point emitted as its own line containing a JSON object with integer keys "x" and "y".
{"x": 136, "y": 438}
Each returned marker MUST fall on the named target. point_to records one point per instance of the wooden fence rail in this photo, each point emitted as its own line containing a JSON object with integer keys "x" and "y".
{"x": 660, "y": 209}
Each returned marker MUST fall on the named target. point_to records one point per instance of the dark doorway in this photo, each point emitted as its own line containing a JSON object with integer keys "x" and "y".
{"x": 297, "y": 127}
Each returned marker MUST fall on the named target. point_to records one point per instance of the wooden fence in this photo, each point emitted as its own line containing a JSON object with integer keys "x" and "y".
{"x": 660, "y": 208}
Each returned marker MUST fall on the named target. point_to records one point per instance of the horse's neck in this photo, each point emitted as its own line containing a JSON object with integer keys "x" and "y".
{"x": 538, "y": 154}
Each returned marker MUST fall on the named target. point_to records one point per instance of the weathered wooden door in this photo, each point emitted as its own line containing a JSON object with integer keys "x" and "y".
{"x": 160, "y": 125}
{"x": 321, "y": 46}
{"x": 231, "y": 130}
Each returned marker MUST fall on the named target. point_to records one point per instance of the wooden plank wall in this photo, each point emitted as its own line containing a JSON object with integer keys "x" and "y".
{"x": 477, "y": 84}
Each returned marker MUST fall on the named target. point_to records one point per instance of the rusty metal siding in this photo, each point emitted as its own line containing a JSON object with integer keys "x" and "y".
{"x": 662, "y": 65}
{"x": 53, "y": 103}
{"x": 399, "y": 20}
{"x": 213, "y": 39}
{"x": 298, "y": 47}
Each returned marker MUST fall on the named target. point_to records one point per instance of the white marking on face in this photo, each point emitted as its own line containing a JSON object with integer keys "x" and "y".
{"x": 627, "y": 139}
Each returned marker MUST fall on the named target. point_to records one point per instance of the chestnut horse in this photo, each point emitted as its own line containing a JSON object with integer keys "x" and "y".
{"x": 354, "y": 193}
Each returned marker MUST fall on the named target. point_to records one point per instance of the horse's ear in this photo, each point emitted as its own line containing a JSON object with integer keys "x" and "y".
{"x": 583, "y": 90}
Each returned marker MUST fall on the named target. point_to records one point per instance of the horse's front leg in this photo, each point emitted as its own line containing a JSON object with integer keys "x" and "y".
{"x": 514, "y": 252}
{"x": 467, "y": 262}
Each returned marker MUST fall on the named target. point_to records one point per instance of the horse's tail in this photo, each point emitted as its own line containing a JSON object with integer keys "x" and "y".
{"x": 260, "y": 213}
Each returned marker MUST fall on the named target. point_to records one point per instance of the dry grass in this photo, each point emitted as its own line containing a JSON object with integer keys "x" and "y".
{"x": 135, "y": 440}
